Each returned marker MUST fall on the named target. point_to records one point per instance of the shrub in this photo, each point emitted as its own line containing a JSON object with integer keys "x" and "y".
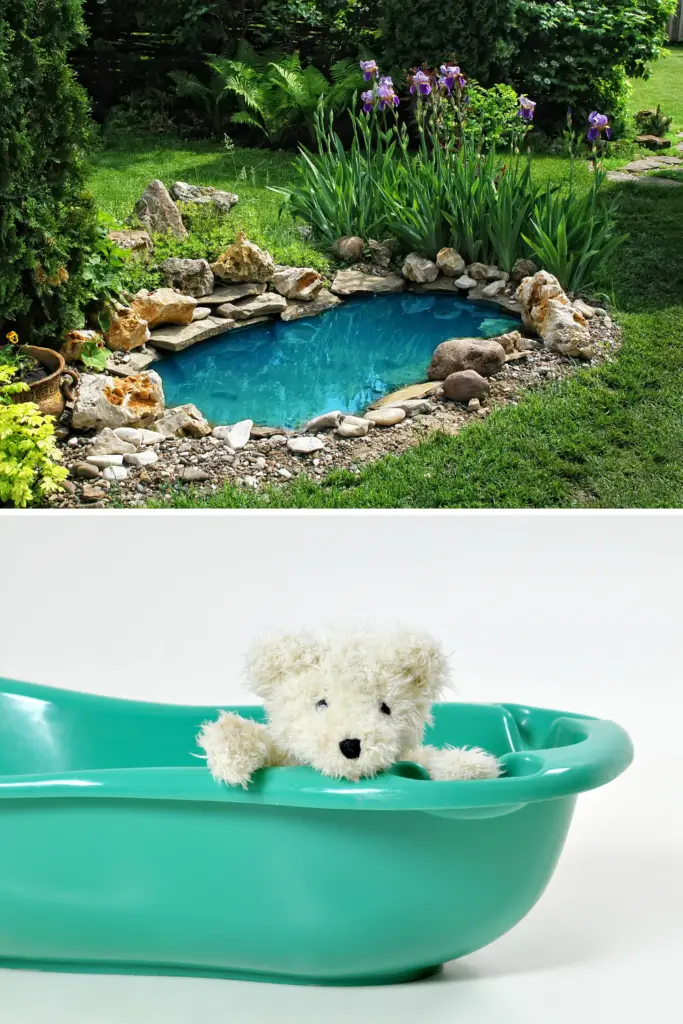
{"x": 652, "y": 122}
{"x": 579, "y": 53}
{"x": 28, "y": 450}
{"x": 46, "y": 221}
{"x": 477, "y": 33}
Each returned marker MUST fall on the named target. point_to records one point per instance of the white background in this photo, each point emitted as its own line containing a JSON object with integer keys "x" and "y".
{"x": 575, "y": 612}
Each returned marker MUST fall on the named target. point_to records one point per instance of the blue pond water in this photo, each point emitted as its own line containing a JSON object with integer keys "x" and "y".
{"x": 282, "y": 374}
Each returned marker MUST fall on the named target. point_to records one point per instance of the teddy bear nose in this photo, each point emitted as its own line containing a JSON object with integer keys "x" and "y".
{"x": 350, "y": 749}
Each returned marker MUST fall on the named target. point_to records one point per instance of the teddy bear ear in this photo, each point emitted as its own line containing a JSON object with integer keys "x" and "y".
{"x": 276, "y": 656}
{"x": 418, "y": 658}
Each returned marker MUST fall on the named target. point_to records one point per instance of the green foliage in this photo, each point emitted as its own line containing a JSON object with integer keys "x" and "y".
{"x": 452, "y": 191}
{"x": 94, "y": 356}
{"x": 652, "y": 122}
{"x": 46, "y": 220}
{"x": 102, "y": 275}
{"x": 147, "y": 110}
{"x": 28, "y": 450}
{"x": 211, "y": 97}
{"x": 491, "y": 115}
{"x": 578, "y": 54}
{"x": 279, "y": 96}
{"x": 476, "y": 33}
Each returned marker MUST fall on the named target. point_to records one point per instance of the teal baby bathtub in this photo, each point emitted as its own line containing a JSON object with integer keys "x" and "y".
{"x": 119, "y": 852}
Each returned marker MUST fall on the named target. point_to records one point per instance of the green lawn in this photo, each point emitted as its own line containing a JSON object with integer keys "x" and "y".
{"x": 610, "y": 438}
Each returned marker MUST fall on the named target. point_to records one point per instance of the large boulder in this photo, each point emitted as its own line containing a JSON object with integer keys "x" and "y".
{"x": 191, "y": 277}
{"x": 297, "y": 282}
{"x": 450, "y": 262}
{"x": 103, "y": 401}
{"x": 127, "y": 330}
{"x": 157, "y": 212}
{"x": 164, "y": 306}
{"x": 351, "y": 282}
{"x": 547, "y": 310}
{"x": 521, "y": 269}
{"x": 417, "y": 268}
{"x": 244, "y": 261}
{"x": 183, "y": 421}
{"x": 204, "y": 195}
{"x": 485, "y": 356}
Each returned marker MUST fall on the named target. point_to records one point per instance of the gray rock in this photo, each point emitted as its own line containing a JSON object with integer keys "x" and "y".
{"x": 157, "y": 212}
{"x": 473, "y": 404}
{"x": 151, "y": 437}
{"x": 133, "y": 241}
{"x": 183, "y": 421}
{"x": 193, "y": 474}
{"x": 297, "y": 309}
{"x": 412, "y": 406}
{"x": 328, "y": 421}
{"x": 351, "y": 282}
{"x": 205, "y": 195}
{"x": 302, "y": 283}
{"x": 494, "y": 288}
{"x": 417, "y": 268}
{"x": 231, "y": 292}
{"x": 485, "y": 272}
{"x": 284, "y": 473}
{"x": 236, "y": 435}
{"x": 484, "y": 356}
{"x": 465, "y": 385}
{"x": 132, "y": 363}
{"x": 191, "y": 277}
{"x": 382, "y": 252}
{"x": 441, "y": 284}
{"x": 304, "y": 445}
{"x": 201, "y": 313}
{"x": 522, "y": 269}
{"x": 465, "y": 282}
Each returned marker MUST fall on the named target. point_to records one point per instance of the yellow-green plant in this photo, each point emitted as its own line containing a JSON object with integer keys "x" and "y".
{"x": 28, "y": 449}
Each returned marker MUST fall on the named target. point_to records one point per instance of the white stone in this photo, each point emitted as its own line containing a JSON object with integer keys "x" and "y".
{"x": 413, "y": 406}
{"x": 201, "y": 313}
{"x": 304, "y": 445}
{"x": 183, "y": 421}
{"x": 353, "y": 426}
{"x": 465, "y": 282}
{"x": 138, "y": 459}
{"x": 417, "y": 268}
{"x": 386, "y": 417}
{"x": 328, "y": 421}
{"x": 151, "y": 436}
{"x": 493, "y": 289}
{"x": 129, "y": 434}
{"x": 285, "y": 473}
{"x": 108, "y": 442}
{"x": 102, "y": 461}
{"x": 115, "y": 473}
{"x": 236, "y": 435}
{"x": 584, "y": 309}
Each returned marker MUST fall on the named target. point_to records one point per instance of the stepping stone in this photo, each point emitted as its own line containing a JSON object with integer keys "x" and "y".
{"x": 649, "y": 163}
{"x": 176, "y": 338}
{"x": 621, "y": 176}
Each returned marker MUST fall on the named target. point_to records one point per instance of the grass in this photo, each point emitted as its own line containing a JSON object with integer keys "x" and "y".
{"x": 673, "y": 173}
{"x": 607, "y": 438}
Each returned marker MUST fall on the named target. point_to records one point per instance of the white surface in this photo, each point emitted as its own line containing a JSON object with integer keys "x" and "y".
{"x": 574, "y": 612}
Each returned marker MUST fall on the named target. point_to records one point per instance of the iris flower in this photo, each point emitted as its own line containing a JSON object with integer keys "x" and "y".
{"x": 598, "y": 123}
{"x": 368, "y": 99}
{"x": 421, "y": 83}
{"x": 450, "y": 74}
{"x": 369, "y": 69}
{"x": 526, "y": 108}
{"x": 385, "y": 93}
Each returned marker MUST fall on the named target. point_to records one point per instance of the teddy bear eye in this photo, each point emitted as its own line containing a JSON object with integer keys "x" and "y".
{"x": 385, "y": 709}
{"x": 321, "y": 704}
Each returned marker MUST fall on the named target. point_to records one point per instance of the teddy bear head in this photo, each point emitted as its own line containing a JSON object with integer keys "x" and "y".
{"x": 350, "y": 704}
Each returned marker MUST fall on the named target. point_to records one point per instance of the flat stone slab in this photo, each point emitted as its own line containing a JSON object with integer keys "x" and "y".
{"x": 232, "y": 292}
{"x": 441, "y": 284}
{"x": 505, "y": 302}
{"x": 175, "y": 339}
{"x": 352, "y": 282}
{"x": 138, "y": 362}
{"x": 408, "y": 393}
{"x": 648, "y": 163}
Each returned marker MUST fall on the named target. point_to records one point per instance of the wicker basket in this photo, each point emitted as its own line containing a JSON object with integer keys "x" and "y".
{"x": 51, "y": 392}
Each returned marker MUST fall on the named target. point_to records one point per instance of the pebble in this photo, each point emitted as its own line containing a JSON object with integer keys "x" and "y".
{"x": 473, "y": 404}
{"x": 284, "y": 473}
{"x": 139, "y": 459}
{"x": 353, "y": 426}
{"x": 85, "y": 469}
{"x": 192, "y": 474}
{"x": 304, "y": 445}
{"x": 260, "y": 463}
{"x": 91, "y": 493}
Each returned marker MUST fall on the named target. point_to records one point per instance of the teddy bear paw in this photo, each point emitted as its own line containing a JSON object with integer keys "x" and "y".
{"x": 235, "y": 749}
{"x": 461, "y": 763}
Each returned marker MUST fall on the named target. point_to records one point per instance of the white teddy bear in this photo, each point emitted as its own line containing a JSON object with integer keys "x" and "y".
{"x": 347, "y": 704}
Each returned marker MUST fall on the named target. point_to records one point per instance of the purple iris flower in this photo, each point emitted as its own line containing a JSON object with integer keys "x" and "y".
{"x": 526, "y": 108}
{"x": 385, "y": 93}
{"x": 449, "y": 73}
{"x": 598, "y": 123}
{"x": 368, "y": 99}
{"x": 369, "y": 69}
{"x": 421, "y": 83}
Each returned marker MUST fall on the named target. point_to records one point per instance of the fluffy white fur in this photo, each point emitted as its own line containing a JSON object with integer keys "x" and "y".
{"x": 354, "y": 674}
